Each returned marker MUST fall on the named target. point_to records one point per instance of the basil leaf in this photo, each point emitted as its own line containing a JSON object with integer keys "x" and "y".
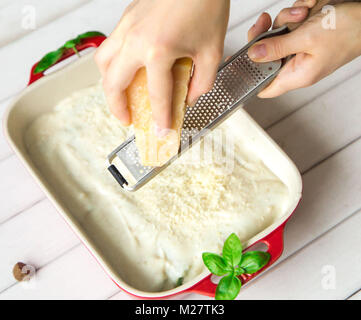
{"x": 48, "y": 60}
{"x": 71, "y": 43}
{"x": 179, "y": 281}
{"x": 90, "y": 34}
{"x": 238, "y": 271}
{"x": 228, "y": 288}
{"x": 253, "y": 261}
{"x": 232, "y": 250}
{"x": 215, "y": 263}
{"x": 52, "y": 57}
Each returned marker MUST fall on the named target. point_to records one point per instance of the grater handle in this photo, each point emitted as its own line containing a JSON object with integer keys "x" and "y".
{"x": 317, "y": 8}
{"x": 274, "y": 242}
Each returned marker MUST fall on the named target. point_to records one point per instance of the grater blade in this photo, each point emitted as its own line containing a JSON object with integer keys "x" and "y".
{"x": 237, "y": 80}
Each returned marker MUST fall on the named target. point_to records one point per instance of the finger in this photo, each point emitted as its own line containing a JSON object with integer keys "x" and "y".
{"x": 297, "y": 73}
{"x": 117, "y": 78}
{"x": 294, "y": 14}
{"x": 263, "y": 23}
{"x": 204, "y": 75}
{"x": 112, "y": 44}
{"x": 305, "y": 3}
{"x": 104, "y": 54}
{"x": 275, "y": 48}
{"x": 160, "y": 88}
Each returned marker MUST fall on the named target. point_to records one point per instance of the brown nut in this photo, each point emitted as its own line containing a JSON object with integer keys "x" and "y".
{"x": 22, "y": 272}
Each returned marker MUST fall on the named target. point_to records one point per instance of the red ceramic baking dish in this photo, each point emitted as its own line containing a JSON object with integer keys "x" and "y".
{"x": 43, "y": 93}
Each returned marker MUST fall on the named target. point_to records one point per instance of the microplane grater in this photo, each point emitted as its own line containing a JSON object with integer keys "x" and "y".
{"x": 238, "y": 79}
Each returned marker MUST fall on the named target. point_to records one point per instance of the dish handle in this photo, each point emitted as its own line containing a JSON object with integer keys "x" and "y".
{"x": 95, "y": 41}
{"x": 274, "y": 242}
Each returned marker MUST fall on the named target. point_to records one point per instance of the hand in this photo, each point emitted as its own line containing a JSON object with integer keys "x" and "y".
{"x": 319, "y": 51}
{"x": 154, "y": 33}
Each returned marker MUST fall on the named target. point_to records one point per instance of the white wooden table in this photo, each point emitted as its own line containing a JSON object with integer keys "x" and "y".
{"x": 319, "y": 127}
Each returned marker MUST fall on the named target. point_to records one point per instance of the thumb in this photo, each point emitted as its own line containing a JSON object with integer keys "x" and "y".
{"x": 277, "y": 47}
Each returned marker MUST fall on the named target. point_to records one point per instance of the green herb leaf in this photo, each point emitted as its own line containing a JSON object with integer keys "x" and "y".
{"x": 90, "y": 34}
{"x": 238, "y": 271}
{"x": 228, "y": 288}
{"x": 179, "y": 281}
{"x": 71, "y": 43}
{"x": 253, "y": 261}
{"x": 232, "y": 250}
{"x": 233, "y": 263}
{"x": 48, "y": 60}
{"x": 53, "y": 57}
{"x": 215, "y": 264}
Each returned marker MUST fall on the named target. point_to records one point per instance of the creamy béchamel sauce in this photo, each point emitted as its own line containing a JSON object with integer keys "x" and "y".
{"x": 156, "y": 235}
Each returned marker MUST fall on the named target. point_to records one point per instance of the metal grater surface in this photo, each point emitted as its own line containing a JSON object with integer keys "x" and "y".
{"x": 237, "y": 80}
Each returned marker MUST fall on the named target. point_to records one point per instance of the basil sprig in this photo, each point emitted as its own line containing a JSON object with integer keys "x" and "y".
{"x": 231, "y": 264}
{"x": 54, "y": 56}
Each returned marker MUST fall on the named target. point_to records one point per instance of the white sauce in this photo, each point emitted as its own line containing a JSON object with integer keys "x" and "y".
{"x": 156, "y": 235}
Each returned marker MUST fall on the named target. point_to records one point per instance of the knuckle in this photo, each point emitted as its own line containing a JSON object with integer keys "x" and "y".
{"x": 278, "y": 48}
{"x": 98, "y": 57}
{"x": 133, "y": 32}
{"x": 214, "y": 56}
{"x": 156, "y": 52}
{"x": 132, "y": 38}
{"x": 283, "y": 12}
{"x": 312, "y": 3}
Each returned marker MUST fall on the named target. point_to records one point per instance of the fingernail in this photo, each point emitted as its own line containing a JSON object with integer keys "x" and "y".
{"x": 258, "y": 20}
{"x": 125, "y": 124}
{"x": 125, "y": 121}
{"x": 296, "y": 11}
{"x": 257, "y": 52}
{"x": 161, "y": 132}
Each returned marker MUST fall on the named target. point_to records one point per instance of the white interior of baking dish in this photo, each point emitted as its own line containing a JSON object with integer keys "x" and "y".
{"x": 43, "y": 95}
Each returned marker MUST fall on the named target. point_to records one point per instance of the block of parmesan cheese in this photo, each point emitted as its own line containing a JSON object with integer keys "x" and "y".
{"x": 155, "y": 151}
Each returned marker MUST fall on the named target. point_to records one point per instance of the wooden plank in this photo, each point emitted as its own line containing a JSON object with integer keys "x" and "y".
{"x": 268, "y": 111}
{"x": 18, "y": 191}
{"x": 36, "y": 237}
{"x": 323, "y": 126}
{"x": 331, "y": 194}
{"x": 329, "y": 268}
{"x": 241, "y": 10}
{"x": 75, "y": 275}
{"x": 5, "y": 150}
{"x": 356, "y": 296}
{"x": 17, "y": 16}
